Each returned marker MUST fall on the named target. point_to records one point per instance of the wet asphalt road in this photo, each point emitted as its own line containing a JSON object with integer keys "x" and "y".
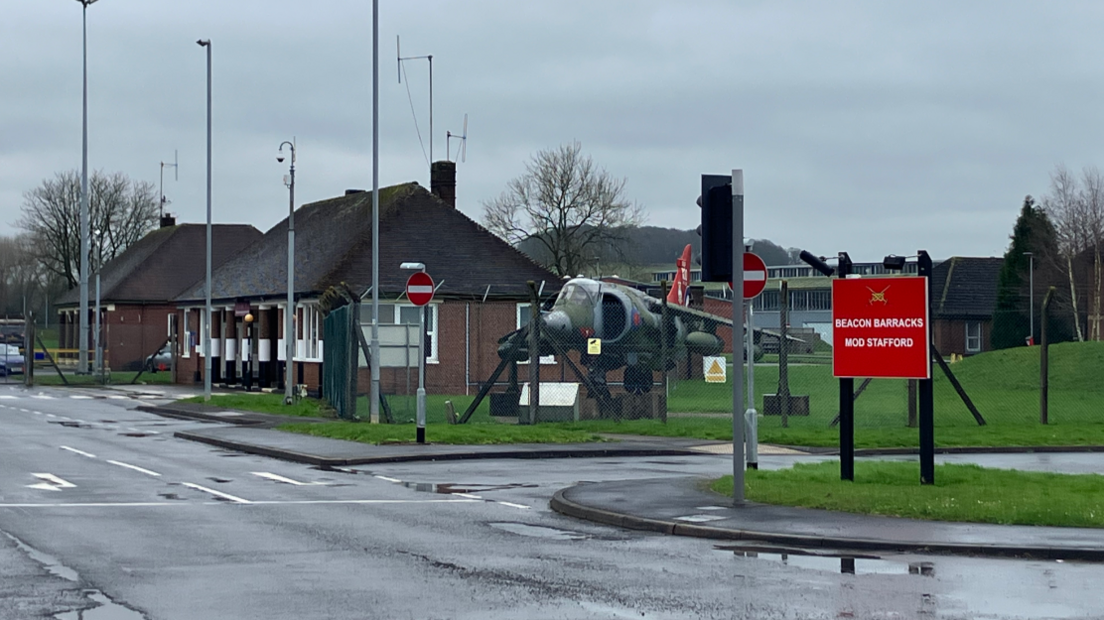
{"x": 130, "y": 523}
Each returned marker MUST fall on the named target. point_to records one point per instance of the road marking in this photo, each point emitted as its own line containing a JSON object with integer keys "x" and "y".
{"x": 80, "y": 397}
{"x": 135, "y": 468}
{"x": 42, "y": 396}
{"x": 232, "y": 498}
{"x": 80, "y": 452}
{"x": 37, "y": 412}
{"x": 114, "y": 397}
{"x": 389, "y": 479}
{"x": 8, "y": 397}
{"x": 48, "y": 415}
{"x": 513, "y": 505}
{"x": 259, "y": 503}
{"x": 467, "y": 495}
{"x": 285, "y": 480}
{"x": 53, "y": 483}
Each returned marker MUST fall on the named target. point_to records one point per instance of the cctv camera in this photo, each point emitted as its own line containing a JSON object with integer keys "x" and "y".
{"x": 280, "y": 158}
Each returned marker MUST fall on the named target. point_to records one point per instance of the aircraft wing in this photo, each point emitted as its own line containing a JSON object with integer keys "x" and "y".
{"x": 694, "y": 315}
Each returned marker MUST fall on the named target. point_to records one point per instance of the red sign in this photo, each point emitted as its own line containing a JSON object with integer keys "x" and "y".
{"x": 419, "y": 288}
{"x": 755, "y": 275}
{"x": 880, "y": 328}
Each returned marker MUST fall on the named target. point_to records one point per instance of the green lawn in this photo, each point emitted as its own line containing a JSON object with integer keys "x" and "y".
{"x": 466, "y": 434}
{"x": 265, "y": 402}
{"x": 960, "y": 493}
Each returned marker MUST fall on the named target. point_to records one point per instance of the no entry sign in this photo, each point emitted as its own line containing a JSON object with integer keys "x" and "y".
{"x": 419, "y": 288}
{"x": 755, "y": 275}
{"x": 880, "y": 328}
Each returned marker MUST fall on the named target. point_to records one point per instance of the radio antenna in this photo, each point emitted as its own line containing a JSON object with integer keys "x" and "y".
{"x": 463, "y": 138}
{"x": 175, "y": 167}
{"x": 429, "y": 57}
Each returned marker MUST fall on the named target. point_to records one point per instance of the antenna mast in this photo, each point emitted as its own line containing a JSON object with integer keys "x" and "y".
{"x": 175, "y": 168}
{"x": 463, "y": 137}
{"x": 429, "y": 57}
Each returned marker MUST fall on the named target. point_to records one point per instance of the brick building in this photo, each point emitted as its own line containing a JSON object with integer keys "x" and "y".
{"x": 482, "y": 292}
{"x": 138, "y": 286}
{"x": 963, "y": 298}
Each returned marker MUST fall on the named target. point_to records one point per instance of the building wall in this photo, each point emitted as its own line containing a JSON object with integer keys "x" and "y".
{"x": 949, "y": 336}
{"x": 130, "y": 333}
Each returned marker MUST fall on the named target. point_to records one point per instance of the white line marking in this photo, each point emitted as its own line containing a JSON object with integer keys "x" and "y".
{"x": 37, "y": 412}
{"x": 24, "y": 410}
{"x": 42, "y": 396}
{"x": 389, "y": 479}
{"x": 467, "y": 495}
{"x": 80, "y": 452}
{"x": 135, "y": 468}
{"x": 8, "y": 397}
{"x": 279, "y": 478}
{"x": 232, "y": 498}
{"x": 48, "y": 415}
{"x": 65, "y": 418}
{"x": 78, "y": 396}
{"x": 52, "y": 483}
{"x": 113, "y": 397}
{"x": 512, "y": 505}
{"x": 260, "y": 503}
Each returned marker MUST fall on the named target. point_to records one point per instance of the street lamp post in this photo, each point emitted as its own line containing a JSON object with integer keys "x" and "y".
{"x": 374, "y": 393}
{"x": 420, "y": 398}
{"x": 82, "y": 337}
{"x": 289, "y": 341}
{"x": 207, "y": 329}
{"x": 1031, "y": 294}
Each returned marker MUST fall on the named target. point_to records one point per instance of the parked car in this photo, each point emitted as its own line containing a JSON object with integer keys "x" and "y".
{"x": 162, "y": 360}
{"x": 11, "y": 360}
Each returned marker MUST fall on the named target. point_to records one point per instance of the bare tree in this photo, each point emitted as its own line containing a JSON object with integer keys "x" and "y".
{"x": 567, "y": 204}
{"x": 1092, "y": 193}
{"x": 121, "y": 211}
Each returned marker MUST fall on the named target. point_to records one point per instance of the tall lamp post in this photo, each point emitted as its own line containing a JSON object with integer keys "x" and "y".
{"x": 1031, "y": 295}
{"x": 289, "y": 340}
{"x": 82, "y": 337}
{"x": 207, "y": 329}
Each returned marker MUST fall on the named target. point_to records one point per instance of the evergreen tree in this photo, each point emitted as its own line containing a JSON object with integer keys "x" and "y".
{"x": 1033, "y": 233}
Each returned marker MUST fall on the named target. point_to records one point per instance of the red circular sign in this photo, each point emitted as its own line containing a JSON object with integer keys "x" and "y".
{"x": 755, "y": 275}
{"x": 419, "y": 288}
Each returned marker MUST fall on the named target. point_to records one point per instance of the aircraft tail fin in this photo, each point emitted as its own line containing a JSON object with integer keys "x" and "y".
{"x": 680, "y": 288}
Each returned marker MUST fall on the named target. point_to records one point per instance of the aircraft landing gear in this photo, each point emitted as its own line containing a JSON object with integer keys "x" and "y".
{"x": 638, "y": 379}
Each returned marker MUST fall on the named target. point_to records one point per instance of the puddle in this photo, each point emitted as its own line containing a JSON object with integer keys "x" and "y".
{"x": 537, "y": 531}
{"x": 169, "y": 496}
{"x": 107, "y": 610}
{"x": 49, "y": 562}
{"x": 219, "y": 480}
{"x": 135, "y": 434}
{"x": 453, "y": 488}
{"x": 849, "y": 564}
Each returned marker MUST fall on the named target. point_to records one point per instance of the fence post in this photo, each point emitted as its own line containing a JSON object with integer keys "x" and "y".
{"x": 28, "y": 350}
{"x": 783, "y": 352}
{"x": 534, "y": 354}
{"x": 1044, "y": 362}
{"x": 911, "y": 403}
{"x": 663, "y": 349}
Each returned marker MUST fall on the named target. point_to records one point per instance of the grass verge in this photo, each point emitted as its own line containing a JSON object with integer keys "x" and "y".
{"x": 466, "y": 434}
{"x": 961, "y": 493}
{"x": 266, "y": 403}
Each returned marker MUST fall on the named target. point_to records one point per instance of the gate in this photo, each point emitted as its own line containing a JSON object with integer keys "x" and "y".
{"x": 340, "y": 360}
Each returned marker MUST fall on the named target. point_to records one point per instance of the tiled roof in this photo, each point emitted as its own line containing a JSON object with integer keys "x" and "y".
{"x": 165, "y": 263}
{"x": 965, "y": 288}
{"x": 333, "y": 244}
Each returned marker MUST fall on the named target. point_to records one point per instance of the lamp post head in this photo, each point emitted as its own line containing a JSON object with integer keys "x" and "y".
{"x": 280, "y": 152}
{"x": 415, "y": 266}
{"x": 203, "y": 42}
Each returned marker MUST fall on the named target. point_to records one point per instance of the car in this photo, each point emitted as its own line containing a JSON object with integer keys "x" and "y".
{"x": 11, "y": 360}
{"x": 162, "y": 360}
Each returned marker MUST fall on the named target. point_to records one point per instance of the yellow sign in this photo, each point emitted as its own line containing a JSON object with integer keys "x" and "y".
{"x": 594, "y": 346}
{"x": 715, "y": 369}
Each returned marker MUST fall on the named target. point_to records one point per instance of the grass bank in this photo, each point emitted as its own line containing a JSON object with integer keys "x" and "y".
{"x": 961, "y": 493}
{"x": 266, "y": 403}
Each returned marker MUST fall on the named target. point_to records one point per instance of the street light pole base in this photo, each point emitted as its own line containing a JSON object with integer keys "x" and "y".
{"x": 421, "y": 434}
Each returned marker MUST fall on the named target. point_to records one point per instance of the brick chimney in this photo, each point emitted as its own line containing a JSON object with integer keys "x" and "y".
{"x": 167, "y": 221}
{"x": 442, "y": 181}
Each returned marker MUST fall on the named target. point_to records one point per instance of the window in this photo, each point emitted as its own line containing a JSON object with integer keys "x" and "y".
{"x": 184, "y": 339}
{"x": 523, "y": 315}
{"x": 309, "y": 332}
{"x": 973, "y": 336}
{"x": 406, "y": 314}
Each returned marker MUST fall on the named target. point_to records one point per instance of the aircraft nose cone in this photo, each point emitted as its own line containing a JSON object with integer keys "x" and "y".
{"x": 557, "y": 322}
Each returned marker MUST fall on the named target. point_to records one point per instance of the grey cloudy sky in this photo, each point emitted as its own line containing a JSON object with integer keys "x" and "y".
{"x": 872, "y": 127}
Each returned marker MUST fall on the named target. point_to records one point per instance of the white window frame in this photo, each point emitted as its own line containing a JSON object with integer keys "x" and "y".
{"x": 185, "y": 336}
{"x": 977, "y": 348}
{"x": 308, "y": 331}
{"x": 545, "y": 359}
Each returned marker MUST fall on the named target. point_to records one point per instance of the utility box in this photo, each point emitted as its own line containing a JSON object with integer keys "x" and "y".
{"x": 772, "y": 405}
{"x": 559, "y": 402}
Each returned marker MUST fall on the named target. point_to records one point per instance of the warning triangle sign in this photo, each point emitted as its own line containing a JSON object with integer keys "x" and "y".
{"x": 714, "y": 369}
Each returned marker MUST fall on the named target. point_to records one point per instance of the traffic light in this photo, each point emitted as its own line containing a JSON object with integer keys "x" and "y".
{"x": 716, "y": 227}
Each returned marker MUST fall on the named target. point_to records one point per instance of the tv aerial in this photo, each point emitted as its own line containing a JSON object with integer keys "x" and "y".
{"x": 399, "y": 61}
{"x": 463, "y": 138}
{"x": 175, "y": 167}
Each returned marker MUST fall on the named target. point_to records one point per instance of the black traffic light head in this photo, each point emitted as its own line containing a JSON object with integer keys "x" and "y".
{"x": 716, "y": 227}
